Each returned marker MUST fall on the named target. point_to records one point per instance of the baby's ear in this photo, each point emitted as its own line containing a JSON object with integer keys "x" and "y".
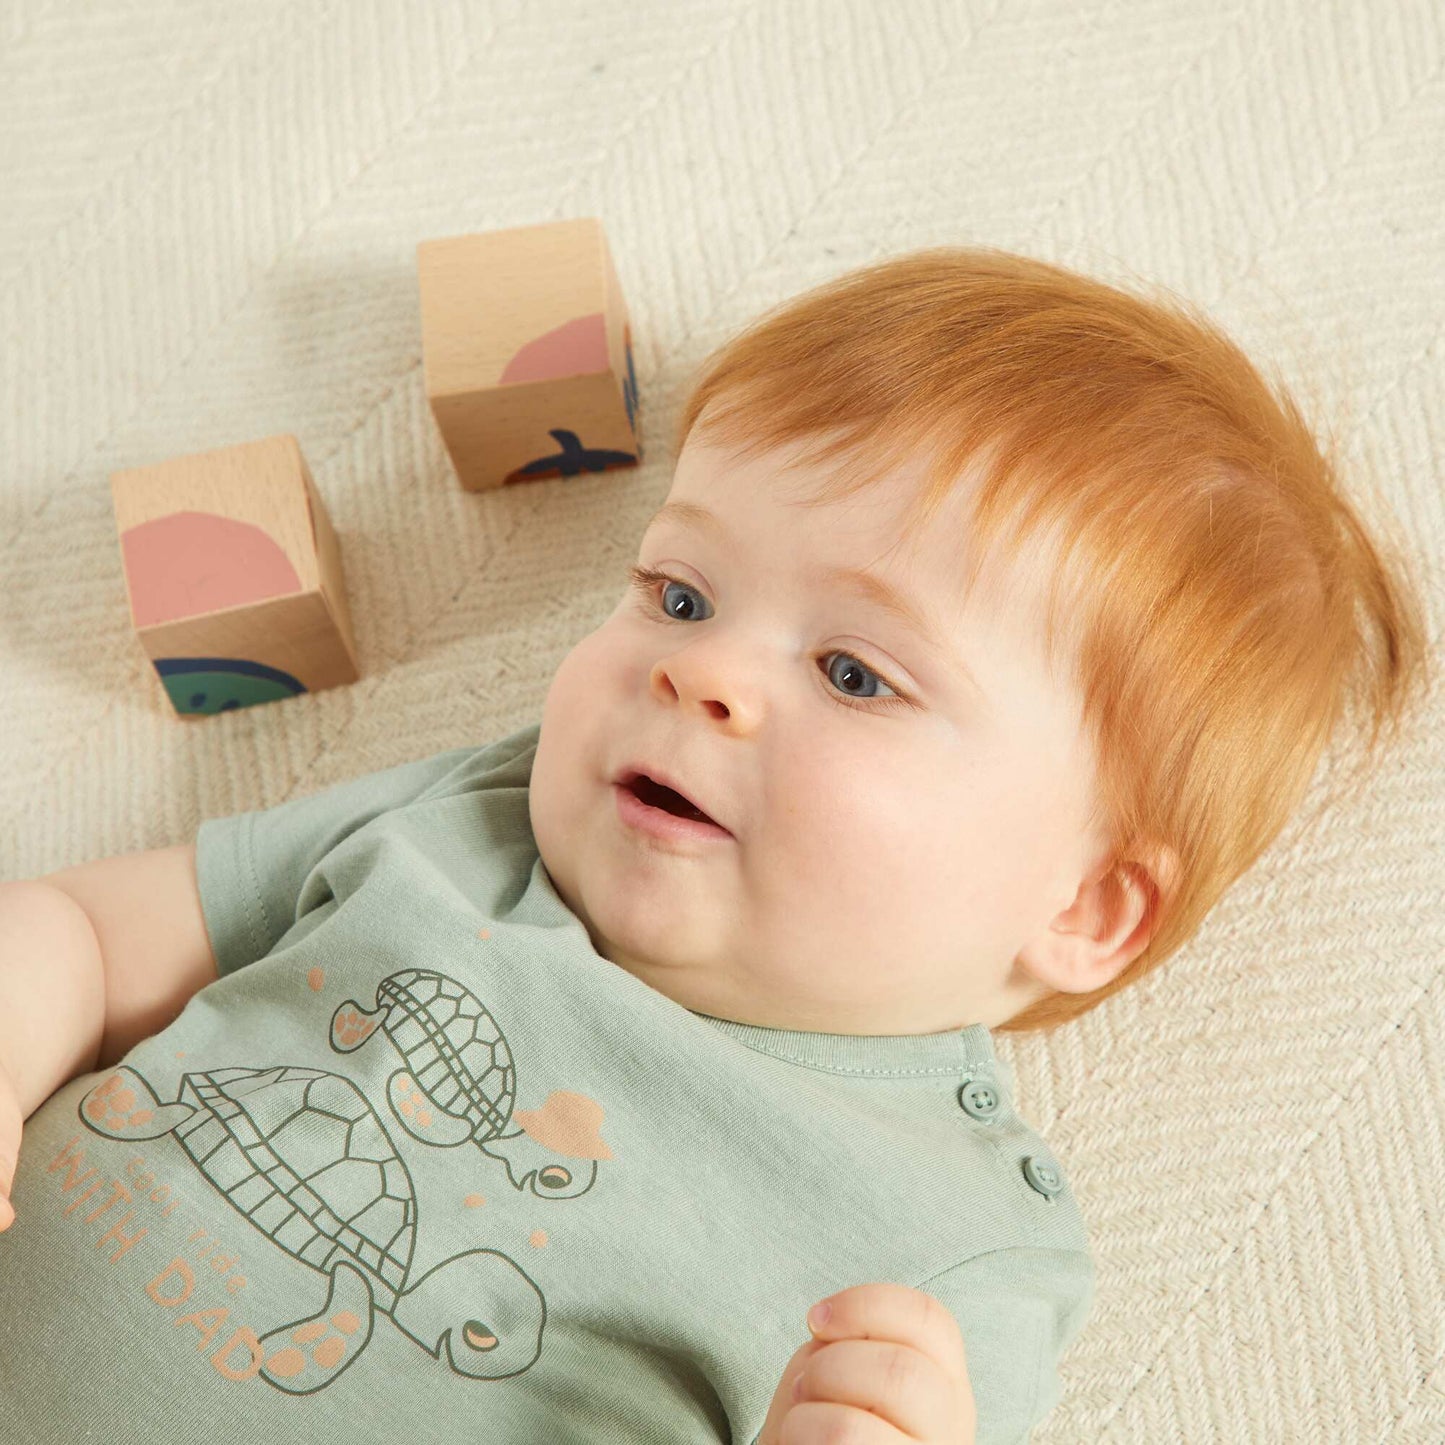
{"x": 1149, "y": 875}
{"x": 1161, "y": 863}
{"x": 1082, "y": 948}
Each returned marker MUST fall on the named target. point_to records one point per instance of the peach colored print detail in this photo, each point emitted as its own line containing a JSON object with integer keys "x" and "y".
{"x": 350, "y": 1028}
{"x": 411, "y": 1100}
{"x": 113, "y": 1107}
{"x": 568, "y": 1123}
{"x": 290, "y": 1362}
{"x": 316, "y": 979}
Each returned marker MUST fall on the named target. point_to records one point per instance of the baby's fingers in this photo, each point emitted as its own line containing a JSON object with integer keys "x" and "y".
{"x": 783, "y": 1396}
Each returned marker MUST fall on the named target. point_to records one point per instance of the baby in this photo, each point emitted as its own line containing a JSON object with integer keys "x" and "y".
{"x": 994, "y": 624}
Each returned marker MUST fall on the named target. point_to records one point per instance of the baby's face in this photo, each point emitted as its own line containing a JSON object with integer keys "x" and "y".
{"x": 885, "y": 861}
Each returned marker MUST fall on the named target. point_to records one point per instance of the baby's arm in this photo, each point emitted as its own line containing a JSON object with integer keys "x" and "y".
{"x": 52, "y": 1001}
{"x": 93, "y": 959}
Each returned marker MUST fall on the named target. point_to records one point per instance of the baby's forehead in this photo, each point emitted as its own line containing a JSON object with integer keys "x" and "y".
{"x": 890, "y": 507}
{"x": 939, "y": 547}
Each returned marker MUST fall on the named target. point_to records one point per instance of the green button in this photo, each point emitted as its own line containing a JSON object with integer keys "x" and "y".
{"x": 979, "y": 1098}
{"x": 1042, "y": 1176}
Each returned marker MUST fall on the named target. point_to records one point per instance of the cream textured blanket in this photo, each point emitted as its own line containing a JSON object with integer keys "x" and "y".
{"x": 208, "y": 221}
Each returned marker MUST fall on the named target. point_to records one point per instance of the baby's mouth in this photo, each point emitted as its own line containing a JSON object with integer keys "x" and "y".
{"x": 656, "y": 795}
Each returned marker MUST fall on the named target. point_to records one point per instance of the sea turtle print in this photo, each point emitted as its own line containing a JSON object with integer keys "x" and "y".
{"x": 302, "y": 1155}
{"x": 459, "y": 1084}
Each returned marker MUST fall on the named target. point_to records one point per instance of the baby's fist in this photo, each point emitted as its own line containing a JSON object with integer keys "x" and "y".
{"x": 886, "y": 1367}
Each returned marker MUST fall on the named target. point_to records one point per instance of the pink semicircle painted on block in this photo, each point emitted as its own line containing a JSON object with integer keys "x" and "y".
{"x": 576, "y": 348}
{"x": 187, "y": 563}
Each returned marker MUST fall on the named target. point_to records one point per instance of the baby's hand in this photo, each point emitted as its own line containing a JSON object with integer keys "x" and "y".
{"x": 12, "y": 1121}
{"x": 886, "y": 1367}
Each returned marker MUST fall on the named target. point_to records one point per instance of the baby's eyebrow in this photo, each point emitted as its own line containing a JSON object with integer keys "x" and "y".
{"x": 858, "y": 580}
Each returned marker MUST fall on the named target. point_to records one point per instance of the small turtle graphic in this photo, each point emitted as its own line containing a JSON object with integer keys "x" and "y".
{"x": 459, "y": 1063}
{"x": 302, "y": 1155}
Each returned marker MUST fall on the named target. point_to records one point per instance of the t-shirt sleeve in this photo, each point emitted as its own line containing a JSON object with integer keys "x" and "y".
{"x": 251, "y": 867}
{"x": 1018, "y": 1310}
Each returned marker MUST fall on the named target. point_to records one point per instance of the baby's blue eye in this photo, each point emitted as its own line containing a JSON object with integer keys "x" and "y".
{"x": 670, "y": 612}
{"x": 646, "y": 580}
{"x": 855, "y": 666}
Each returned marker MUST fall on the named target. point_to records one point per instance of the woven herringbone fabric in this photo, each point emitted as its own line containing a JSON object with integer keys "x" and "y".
{"x": 208, "y": 221}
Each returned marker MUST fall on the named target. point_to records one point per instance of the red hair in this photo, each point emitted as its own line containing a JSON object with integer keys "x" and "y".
{"x": 1223, "y": 602}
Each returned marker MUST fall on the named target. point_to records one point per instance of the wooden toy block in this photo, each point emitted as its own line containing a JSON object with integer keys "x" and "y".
{"x": 527, "y": 353}
{"x": 234, "y": 576}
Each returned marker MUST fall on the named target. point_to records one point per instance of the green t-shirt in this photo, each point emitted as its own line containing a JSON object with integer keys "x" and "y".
{"x": 422, "y": 1164}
